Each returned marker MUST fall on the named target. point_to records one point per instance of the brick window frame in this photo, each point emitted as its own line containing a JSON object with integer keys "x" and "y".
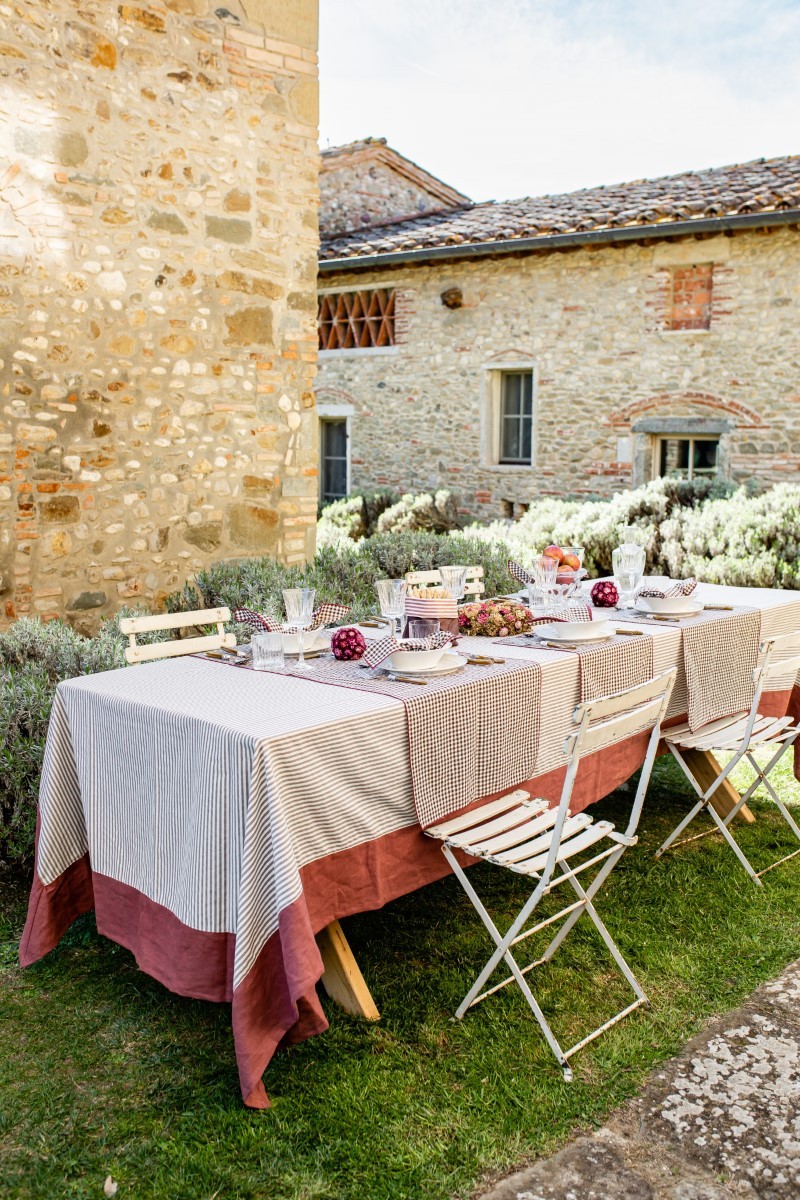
{"x": 357, "y": 320}
{"x": 690, "y": 297}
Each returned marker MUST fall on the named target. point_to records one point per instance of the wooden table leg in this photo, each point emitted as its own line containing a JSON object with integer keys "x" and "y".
{"x": 342, "y": 979}
{"x": 705, "y": 769}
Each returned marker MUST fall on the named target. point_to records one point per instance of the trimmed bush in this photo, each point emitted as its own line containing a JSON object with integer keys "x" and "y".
{"x": 353, "y": 518}
{"x": 707, "y": 529}
{"x": 428, "y": 512}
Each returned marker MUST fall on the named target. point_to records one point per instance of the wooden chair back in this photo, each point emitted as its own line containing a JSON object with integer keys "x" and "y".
{"x": 474, "y": 585}
{"x": 136, "y": 653}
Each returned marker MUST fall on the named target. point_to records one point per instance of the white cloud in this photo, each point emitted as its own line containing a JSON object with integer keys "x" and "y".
{"x": 521, "y": 97}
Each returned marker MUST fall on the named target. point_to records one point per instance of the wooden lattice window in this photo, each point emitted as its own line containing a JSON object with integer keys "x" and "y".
{"x": 690, "y": 300}
{"x": 356, "y": 320}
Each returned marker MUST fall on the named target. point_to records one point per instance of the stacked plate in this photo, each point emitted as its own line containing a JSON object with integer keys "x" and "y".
{"x": 446, "y": 664}
{"x": 668, "y": 606}
{"x": 599, "y": 629}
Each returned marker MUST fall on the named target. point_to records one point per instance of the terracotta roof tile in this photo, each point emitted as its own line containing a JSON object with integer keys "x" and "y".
{"x": 765, "y": 185}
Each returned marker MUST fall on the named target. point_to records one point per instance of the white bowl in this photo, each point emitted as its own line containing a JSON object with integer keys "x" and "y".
{"x": 312, "y": 640}
{"x": 415, "y": 660}
{"x": 583, "y": 628}
{"x": 669, "y": 605}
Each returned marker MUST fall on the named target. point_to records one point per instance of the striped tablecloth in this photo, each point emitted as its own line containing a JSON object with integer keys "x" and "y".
{"x": 217, "y": 818}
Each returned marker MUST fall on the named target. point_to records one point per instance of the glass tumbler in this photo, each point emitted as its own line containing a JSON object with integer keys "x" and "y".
{"x": 268, "y": 652}
{"x": 424, "y": 628}
{"x": 628, "y": 562}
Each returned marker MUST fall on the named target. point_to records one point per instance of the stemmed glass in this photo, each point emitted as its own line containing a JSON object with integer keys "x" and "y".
{"x": 455, "y": 581}
{"x": 392, "y": 599}
{"x": 299, "y": 604}
{"x": 628, "y": 562}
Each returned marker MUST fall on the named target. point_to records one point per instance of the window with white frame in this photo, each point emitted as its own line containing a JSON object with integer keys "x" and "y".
{"x": 686, "y": 457}
{"x": 516, "y": 418}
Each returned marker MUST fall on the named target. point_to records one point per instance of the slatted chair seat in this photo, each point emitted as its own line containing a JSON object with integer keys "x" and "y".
{"x": 473, "y": 587}
{"x": 739, "y": 735}
{"x": 548, "y": 845}
{"x": 135, "y": 652}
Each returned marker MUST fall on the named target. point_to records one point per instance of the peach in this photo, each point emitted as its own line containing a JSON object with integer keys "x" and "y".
{"x": 554, "y": 552}
{"x": 572, "y": 561}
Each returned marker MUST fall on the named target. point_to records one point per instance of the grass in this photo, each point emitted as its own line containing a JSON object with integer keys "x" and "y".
{"x": 103, "y": 1072}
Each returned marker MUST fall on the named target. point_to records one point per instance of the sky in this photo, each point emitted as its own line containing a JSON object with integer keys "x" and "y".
{"x": 508, "y": 98}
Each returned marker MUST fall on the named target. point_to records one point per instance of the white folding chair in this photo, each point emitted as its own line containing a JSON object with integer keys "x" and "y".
{"x": 135, "y": 653}
{"x": 530, "y": 838}
{"x": 739, "y": 735}
{"x": 474, "y": 585}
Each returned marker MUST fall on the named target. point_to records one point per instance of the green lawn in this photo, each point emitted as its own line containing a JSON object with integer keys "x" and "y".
{"x": 103, "y": 1072}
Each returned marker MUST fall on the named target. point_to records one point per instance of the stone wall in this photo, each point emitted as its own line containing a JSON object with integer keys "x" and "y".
{"x": 368, "y": 183}
{"x": 158, "y": 238}
{"x": 591, "y": 323}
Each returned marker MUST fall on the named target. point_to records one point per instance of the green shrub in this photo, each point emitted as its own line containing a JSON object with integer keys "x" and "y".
{"x": 347, "y": 573}
{"x": 428, "y": 512}
{"x": 34, "y": 657}
{"x": 353, "y": 518}
{"x": 709, "y": 529}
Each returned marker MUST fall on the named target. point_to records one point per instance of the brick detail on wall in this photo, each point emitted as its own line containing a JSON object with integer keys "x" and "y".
{"x": 690, "y": 297}
{"x": 157, "y": 293}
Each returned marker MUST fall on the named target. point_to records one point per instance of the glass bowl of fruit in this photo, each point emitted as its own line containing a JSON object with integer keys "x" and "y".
{"x": 570, "y": 563}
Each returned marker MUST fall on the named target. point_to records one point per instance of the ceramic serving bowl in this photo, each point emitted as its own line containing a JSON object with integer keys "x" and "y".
{"x": 669, "y": 605}
{"x": 415, "y": 660}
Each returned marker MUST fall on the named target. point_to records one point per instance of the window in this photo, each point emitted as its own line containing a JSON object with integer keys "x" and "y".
{"x": 333, "y": 459}
{"x": 687, "y": 457}
{"x": 690, "y": 297}
{"x": 516, "y": 417}
{"x": 356, "y": 320}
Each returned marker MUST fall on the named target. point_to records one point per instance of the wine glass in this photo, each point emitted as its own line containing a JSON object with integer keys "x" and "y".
{"x": 392, "y": 599}
{"x": 455, "y": 581}
{"x": 628, "y": 562}
{"x": 545, "y": 571}
{"x": 299, "y": 604}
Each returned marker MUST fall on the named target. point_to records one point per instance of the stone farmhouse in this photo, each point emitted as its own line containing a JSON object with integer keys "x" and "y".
{"x": 158, "y": 259}
{"x": 568, "y": 344}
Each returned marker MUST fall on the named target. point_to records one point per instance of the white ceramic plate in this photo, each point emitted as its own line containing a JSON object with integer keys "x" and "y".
{"x": 668, "y": 606}
{"x": 564, "y": 631}
{"x": 446, "y": 665}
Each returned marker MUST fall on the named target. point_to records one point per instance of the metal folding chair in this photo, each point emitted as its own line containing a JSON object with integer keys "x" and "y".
{"x": 530, "y": 838}
{"x": 739, "y": 735}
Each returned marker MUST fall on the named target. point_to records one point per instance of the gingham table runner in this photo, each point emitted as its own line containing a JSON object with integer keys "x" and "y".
{"x": 720, "y": 650}
{"x": 469, "y": 734}
{"x": 611, "y": 666}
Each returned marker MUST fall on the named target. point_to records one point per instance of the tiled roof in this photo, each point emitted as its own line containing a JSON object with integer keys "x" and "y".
{"x": 762, "y": 186}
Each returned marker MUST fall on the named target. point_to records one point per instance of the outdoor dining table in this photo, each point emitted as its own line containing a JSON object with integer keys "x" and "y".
{"x": 221, "y": 821}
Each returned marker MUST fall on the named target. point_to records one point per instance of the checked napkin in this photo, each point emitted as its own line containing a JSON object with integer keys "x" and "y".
{"x": 326, "y": 614}
{"x": 378, "y": 651}
{"x": 683, "y": 587}
{"x": 520, "y": 574}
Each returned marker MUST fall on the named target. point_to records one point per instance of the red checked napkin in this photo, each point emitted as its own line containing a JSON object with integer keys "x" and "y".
{"x": 572, "y": 612}
{"x": 378, "y": 651}
{"x": 326, "y": 614}
{"x": 683, "y": 587}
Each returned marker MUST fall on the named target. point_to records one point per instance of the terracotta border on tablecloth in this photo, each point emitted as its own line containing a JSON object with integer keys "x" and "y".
{"x": 277, "y": 1004}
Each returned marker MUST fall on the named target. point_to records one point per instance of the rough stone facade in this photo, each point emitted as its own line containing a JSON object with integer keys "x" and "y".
{"x": 367, "y": 183}
{"x": 158, "y": 239}
{"x": 609, "y": 375}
